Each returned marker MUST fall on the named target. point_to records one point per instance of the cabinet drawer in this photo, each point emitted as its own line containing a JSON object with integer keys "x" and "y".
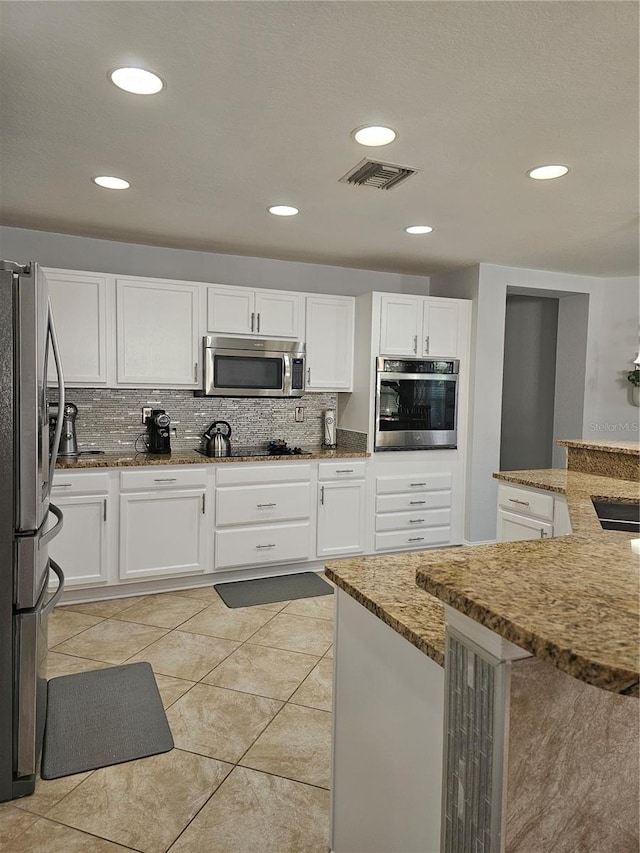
{"x": 422, "y": 538}
{"x": 251, "y": 546}
{"x": 75, "y": 484}
{"x": 163, "y": 478}
{"x": 526, "y": 502}
{"x": 255, "y": 504}
{"x": 284, "y": 472}
{"x": 413, "y": 501}
{"x": 347, "y": 469}
{"x": 413, "y": 520}
{"x": 386, "y": 485}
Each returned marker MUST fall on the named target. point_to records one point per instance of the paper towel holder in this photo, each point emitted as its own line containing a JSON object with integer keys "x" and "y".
{"x": 329, "y": 428}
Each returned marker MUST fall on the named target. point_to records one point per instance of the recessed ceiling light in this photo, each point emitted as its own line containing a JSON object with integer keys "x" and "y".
{"x": 283, "y": 210}
{"x": 111, "y": 183}
{"x": 374, "y": 135}
{"x": 419, "y": 229}
{"x": 138, "y": 81}
{"x": 546, "y": 173}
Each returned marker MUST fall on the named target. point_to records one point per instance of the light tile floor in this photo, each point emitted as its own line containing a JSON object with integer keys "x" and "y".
{"x": 248, "y": 699}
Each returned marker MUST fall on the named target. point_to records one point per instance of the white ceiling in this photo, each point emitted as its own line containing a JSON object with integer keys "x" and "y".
{"x": 260, "y": 102}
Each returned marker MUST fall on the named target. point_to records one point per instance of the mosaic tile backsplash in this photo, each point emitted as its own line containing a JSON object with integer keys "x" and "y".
{"x": 110, "y": 418}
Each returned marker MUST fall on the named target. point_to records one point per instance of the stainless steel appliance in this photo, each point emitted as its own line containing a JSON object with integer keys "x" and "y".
{"x": 217, "y": 439}
{"x": 416, "y": 404}
{"x": 68, "y": 438}
{"x": 158, "y": 424}
{"x": 27, "y": 463}
{"x": 249, "y": 367}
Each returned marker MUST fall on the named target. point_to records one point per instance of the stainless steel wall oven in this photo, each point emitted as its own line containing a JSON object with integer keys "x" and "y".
{"x": 416, "y": 404}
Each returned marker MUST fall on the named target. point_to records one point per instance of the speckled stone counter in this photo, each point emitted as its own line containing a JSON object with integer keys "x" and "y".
{"x": 572, "y": 601}
{"x": 191, "y": 457}
{"x": 387, "y": 587}
{"x": 602, "y": 457}
{"x": 579, "y": 488}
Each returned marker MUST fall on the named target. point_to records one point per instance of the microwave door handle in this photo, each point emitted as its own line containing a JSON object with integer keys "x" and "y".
{"x": 61, "y": 396}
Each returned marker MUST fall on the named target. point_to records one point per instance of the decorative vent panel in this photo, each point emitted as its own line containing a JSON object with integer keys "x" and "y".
{"x": 382, "y": 176}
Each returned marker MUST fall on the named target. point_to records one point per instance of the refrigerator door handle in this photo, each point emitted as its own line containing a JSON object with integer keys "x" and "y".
{"x": 61, "y": 396}
{"x": 53, "y": 600}
{"x": 57, "y": 527}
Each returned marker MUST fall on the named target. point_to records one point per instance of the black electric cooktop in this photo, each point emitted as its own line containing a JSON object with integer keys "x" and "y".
{"x": 261, "y": 451}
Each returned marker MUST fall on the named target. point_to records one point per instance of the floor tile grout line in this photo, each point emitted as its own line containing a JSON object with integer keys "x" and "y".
{"x": 91, "y": 834}
{"x": 281, "y": 776}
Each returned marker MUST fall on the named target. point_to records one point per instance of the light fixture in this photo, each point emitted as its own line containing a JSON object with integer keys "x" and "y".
{"x": 138, "y": 81}
{"x": 283, "y": 210}
{"x": 111, "y": 183}
{"x": 374, "y": 135}
{"x": 419, "y": 229}
{"x": 547, "y": 173}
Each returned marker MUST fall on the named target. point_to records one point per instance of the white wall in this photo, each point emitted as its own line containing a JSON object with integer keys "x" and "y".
{"x": 90, "y": 255}
{"x": 613, "y": 307}
{"x": 612, "y": 415}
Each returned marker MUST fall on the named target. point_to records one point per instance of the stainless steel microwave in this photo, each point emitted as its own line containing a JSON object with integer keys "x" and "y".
{"x": 251, "y": 367}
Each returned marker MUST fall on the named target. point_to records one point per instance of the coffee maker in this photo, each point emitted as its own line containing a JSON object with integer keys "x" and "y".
{"x": 158, "y": 431}
{"x": 68, "y": 438}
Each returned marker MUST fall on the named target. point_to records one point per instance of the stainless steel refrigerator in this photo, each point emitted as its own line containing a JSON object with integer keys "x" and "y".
{"x": 28, "y": 521}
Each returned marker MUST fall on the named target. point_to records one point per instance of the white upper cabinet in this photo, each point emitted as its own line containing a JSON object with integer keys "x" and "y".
{"x": 260, "y": 313}
{"x": 81, "y": 314}
{"x": 329, "y": 338}
{"x": 400, "y": 324}
{"x": 418, "y": 326}
{"x": 440, "y": 328}
{"x": 157, "y": 333}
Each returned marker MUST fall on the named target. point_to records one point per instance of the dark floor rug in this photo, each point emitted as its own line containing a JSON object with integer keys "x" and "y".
{"x": 103, "y": 717}
{"x": 268, "y": 590}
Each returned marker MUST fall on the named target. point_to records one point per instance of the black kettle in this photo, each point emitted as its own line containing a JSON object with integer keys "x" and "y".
{"x": 217, "y": 439}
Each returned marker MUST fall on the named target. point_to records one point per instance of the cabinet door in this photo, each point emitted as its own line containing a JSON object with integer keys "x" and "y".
{"x": 329, "y": 338}
{"x": 79, "y": 303}
{"x": 157, "y": 331}
{"x": 440, "y": 328}
{"x": 230, "y": 310}
{"x": 341, "y": 518}
{"x": 82, "y": 546}
{"x": 513, "y": 528}
{"x": 162, "y": 533}
{"x": 400, "y": 325}
{"x": 278, "y": 314}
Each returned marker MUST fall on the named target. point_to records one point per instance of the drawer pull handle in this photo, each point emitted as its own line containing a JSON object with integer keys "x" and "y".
{"x": 204, "y": 503}
{"x": 516, "y": 501}
{"x": 263, "y": 505}
{"x": 416, "y": 521}
{"x": 414, "y": 503}
{"x": 265, "y": 546}
{"x": 415, "y": 539}
{"x": 164, "y": 479}
{"x": 344, "y": 470}
{"x": 62, "y": 485}
{"x": 417, "y": 484}
{"x": 104, "y": 510}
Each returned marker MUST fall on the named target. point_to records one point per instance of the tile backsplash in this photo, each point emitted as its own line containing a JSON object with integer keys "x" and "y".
{"x": 110, "y": 418}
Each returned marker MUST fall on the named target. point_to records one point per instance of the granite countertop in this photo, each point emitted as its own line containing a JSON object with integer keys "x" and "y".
{"x": 579, "y": 489}
{"x": 572, "y": 601}
{"x": 607, "y": 446}
{"x": 130, "y": 459}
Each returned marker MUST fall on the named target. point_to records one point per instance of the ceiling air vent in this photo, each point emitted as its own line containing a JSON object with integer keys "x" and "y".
{"x": 382, "y": 176}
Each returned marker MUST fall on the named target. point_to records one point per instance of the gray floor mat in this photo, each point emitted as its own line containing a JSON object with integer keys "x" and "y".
{"x": 268, "y": 590}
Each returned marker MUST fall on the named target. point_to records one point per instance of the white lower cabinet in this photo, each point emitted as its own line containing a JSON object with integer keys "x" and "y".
{"x": 341, "y": 518}
{"x": 164, "y": 529}
{"x": 263, "y": 515}
{"x": 413, "y": 510}
{"x": 83, "y": 548}
{"x": 527, "y": 513}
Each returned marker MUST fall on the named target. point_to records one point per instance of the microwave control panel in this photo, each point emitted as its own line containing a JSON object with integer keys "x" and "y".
{"x": 297, "y": 374}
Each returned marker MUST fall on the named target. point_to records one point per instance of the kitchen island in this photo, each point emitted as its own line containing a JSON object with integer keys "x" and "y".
{"x": 549, "y": 630}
